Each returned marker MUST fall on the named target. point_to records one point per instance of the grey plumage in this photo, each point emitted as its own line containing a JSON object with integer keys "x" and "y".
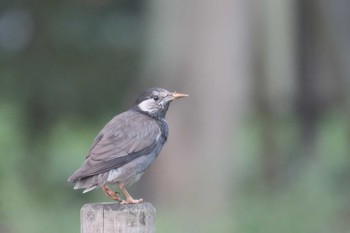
{"x": 126, "y": 137}
{"x": 128, "y": 144}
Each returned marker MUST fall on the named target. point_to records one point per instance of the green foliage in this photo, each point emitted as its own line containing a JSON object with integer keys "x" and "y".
{"x": 77, "y": 64}
{"x": 314, "y": 196}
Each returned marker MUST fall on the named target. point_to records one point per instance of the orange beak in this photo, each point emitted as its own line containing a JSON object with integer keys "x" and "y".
{"x": 176, "y": 95}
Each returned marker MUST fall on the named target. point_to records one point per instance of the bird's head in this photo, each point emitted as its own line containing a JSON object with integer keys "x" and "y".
{"x": 155, "y": 101}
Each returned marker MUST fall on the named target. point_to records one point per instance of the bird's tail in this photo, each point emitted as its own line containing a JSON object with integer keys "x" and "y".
{"x": 81, "y": 185}
{"x": 89, "y": 183}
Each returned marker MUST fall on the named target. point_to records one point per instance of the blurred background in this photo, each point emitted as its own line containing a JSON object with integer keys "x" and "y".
{"x": 261, "y": 145}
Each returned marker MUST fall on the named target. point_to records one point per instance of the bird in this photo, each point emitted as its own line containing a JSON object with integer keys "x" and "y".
{"x": 127, "y": 145}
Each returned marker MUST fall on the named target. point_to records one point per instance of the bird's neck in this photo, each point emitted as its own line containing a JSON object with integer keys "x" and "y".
{"x": 159, "y": 115}
{"x": 163, "y": 125}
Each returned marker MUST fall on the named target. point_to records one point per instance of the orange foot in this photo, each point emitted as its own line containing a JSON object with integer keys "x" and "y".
{"x": 129, "y": 199}
{"x": 111, "y": 194}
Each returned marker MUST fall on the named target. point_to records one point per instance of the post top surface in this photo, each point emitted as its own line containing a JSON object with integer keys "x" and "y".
{"x": 119, "y": 207}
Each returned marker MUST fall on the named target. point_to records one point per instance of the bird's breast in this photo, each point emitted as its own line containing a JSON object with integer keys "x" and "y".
{"x": 164, "y": 129}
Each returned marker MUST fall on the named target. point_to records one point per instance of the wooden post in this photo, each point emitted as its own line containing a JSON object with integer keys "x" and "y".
{"x": 113, "y": 217}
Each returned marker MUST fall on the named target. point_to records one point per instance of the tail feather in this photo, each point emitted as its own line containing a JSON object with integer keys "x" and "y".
{"x": 90, "y": 183}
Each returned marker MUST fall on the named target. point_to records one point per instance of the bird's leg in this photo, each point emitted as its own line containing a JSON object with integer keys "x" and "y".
{"x": 129, "y": 199}
{"x": 110, "y": 193}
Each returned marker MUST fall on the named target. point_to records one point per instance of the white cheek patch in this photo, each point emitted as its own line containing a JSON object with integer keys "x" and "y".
{"x": 148, "y": 105}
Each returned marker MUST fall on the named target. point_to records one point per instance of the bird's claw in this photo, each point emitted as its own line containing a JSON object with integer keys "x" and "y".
{"x": 131, "y": 201}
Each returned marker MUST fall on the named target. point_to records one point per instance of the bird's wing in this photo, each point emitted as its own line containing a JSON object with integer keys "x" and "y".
{"x": 125, "y": 138}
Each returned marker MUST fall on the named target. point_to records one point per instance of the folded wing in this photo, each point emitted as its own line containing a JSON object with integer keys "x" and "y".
{"x": 125, "y": 138}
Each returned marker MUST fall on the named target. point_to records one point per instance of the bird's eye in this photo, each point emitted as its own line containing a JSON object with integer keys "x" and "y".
{"x": 155, "y": 98}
